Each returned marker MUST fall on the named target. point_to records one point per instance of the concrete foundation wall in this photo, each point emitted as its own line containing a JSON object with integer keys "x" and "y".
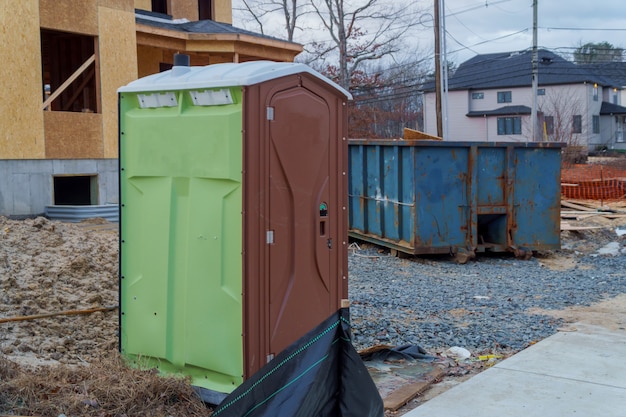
{"x": 27, "y": 185}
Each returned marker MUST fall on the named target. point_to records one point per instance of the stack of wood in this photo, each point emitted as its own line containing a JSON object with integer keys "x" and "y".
{"x": 580, "y": 210}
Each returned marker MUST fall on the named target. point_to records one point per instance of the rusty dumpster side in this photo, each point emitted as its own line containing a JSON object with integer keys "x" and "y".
{"x": 428, "y": 197}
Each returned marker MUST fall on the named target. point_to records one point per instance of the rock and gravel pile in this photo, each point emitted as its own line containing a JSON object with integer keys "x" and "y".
{"x": 485, "y": 305}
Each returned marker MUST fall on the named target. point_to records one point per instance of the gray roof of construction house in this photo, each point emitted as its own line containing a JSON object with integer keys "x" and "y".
{"x": 201, "y": 26}
{"x": 514, "y": 69}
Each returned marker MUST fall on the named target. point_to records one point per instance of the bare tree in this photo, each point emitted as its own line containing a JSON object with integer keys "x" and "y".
{"x": 263, "y": 14}
{"x": 560, "y": 111}
{"x": 359, "y": 31}
{"x": 390, "y": 102}
{"x": 562, "y": 118}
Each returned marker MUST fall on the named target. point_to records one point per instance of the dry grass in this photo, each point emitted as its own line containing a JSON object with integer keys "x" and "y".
{"x": 105, "y": 389}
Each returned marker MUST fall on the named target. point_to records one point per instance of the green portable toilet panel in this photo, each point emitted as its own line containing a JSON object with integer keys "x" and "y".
{"x": 181, "y": 223}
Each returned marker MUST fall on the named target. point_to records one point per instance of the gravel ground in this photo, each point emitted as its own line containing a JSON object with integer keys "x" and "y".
{"x": 483, "y": 305}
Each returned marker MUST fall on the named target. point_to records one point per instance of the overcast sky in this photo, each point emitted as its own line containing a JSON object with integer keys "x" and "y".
{"x": 485, "y": 26}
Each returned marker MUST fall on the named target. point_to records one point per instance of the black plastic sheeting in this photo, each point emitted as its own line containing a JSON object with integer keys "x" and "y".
{"x": 404, "y": 352}
{"x": 319, "y": 375}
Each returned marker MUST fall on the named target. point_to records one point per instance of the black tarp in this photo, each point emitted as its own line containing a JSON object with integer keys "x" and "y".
{"x": 320, "y": 375}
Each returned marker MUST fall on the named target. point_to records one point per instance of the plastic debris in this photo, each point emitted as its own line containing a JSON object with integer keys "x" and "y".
{"x": 488, "y": 357}
{"x": 612, "y": 248}
{"x": 459, "y": 352}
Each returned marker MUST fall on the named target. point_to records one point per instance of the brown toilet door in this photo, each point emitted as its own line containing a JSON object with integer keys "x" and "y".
{"x": 302, "y": 215}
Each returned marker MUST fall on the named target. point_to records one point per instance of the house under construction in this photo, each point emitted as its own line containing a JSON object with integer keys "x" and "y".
{"x": 63, "y": 63}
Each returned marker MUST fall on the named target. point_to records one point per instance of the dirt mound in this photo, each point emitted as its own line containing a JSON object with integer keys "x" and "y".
{"x": 48, "y": 267}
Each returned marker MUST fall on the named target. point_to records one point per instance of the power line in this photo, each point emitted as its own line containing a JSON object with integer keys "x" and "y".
{"x": 583, "y": 29}
{"x": 487, "y": 41}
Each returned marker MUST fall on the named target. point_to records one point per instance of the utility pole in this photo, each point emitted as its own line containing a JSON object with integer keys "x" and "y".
{"x": 535, "y": 76}
{"x": 444, "y": 70}
{"x": 438, "y": 94}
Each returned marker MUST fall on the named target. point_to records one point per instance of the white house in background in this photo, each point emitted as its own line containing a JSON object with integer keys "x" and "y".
{"x": 490, "y": 99}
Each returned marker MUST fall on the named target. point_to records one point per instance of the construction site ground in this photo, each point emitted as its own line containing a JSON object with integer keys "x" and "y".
{"x": 68, "y": 364}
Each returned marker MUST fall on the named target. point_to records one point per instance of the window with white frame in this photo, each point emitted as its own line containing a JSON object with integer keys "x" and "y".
{"x": 595, "y": 92}
{"x": 478, "y": 96}
{"x": 541, "y": 91}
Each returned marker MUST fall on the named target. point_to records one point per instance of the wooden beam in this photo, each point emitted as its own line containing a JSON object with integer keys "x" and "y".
{"x": 79, "y": 90}
{"x": 575, "y": 206}
{"x": 398, "y": 398}
{"x": 69, "y": 81}
{"x": 60, "y": 313}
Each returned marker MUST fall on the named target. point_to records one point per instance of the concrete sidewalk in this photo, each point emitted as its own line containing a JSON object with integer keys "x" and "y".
{"x": 577, "y": 373}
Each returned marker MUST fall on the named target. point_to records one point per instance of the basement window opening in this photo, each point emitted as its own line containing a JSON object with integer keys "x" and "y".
{"x": 75, "y": 190}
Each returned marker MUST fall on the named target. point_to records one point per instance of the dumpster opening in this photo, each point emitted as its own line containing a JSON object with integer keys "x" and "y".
{"x": 492, "y": 230}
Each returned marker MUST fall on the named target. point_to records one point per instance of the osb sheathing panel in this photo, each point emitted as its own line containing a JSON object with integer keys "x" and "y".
{"x": 21, "y": 118}
{"x": 70, "y": 16}
{"x": 148, "y": 59}
{"x": 219, "y": 58}
{"x": 123, "y": 5}
{"x": 118, "y": 67}
{"x": 73, "y": 135}
{"x": 184, "y": 9}
{"x": 201, "y": 60}
{"x": 143, "y": 4}
{"x": 223, "y": 11}
{"x": 161, "y": 39}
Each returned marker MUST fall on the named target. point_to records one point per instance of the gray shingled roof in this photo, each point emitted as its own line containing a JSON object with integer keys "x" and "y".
{"x": 609, "y": 109}
{"x": 201, "y": 26}
{"x": 514, "y": 69}
{"x": 615, "y": 71}
{"x": 502, "y": 111}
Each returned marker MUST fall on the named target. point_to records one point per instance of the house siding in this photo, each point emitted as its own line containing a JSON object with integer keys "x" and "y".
{"x": 563, "y": 100}
{"x": 570, "y": 89}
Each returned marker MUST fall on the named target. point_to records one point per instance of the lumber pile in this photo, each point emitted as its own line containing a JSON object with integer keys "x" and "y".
{"x": 581, "y": 210}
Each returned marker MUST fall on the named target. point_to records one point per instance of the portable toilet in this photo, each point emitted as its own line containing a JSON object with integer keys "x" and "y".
{"x": 233, "y": 228}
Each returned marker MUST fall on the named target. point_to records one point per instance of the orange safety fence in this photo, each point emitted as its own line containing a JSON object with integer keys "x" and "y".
{"x": 593, "y": 182}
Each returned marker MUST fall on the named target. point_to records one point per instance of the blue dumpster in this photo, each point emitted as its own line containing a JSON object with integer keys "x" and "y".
{"x": 429, "y": 197}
